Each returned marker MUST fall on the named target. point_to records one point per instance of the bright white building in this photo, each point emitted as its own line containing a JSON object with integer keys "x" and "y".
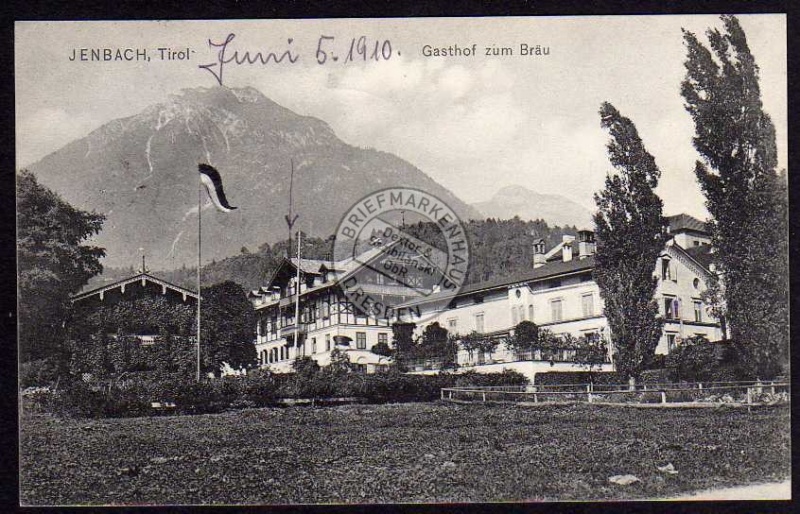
{"x": 557, "y": 293}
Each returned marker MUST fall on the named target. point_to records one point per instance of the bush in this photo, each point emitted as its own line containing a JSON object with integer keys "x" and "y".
{"x": 654, "y": 376}
{"x": 38, "y": 373}
{"x": 657, "y": 362}
{"x": 579, "y": 377}
{"x": 507, "y": 377}
{"x": 79, "y": 400}
{"x": 693, "y": 361}
{"x": 395, "y": 387}
{"x": 134, "y": 395}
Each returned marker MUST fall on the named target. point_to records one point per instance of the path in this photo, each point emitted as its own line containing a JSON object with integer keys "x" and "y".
{"x": 770, "y": 491}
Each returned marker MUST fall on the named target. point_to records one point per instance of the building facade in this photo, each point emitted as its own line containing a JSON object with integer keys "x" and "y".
{"x": 557, "y": 293}
{"x": 136, "y": 289}
{"x": 329, "y": 319}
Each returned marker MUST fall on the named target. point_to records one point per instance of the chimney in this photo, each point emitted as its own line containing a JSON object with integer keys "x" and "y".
{"x": 586, "y": 244}
{"x": 566, "y": 248}
{"x": 538, "y": 253}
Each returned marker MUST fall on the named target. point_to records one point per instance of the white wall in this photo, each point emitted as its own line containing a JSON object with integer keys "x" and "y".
{"x": 685, "y": 283}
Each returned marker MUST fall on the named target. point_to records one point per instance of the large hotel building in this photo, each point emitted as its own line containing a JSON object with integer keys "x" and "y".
{"x": 557, "y": 293}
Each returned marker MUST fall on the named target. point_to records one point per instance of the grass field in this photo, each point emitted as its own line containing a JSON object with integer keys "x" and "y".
{"x": 399, "y": 453}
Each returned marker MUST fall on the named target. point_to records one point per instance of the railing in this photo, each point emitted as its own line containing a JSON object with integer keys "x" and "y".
{"x": 432, "y": 364}
{"x": 744, "y": 393}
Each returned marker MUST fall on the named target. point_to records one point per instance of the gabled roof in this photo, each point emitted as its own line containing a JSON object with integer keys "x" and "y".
{"x": 140, "y": 277}
{"x": 309, "y": 266}
{"x": 343, "y": 268}
{"x": 702, "y": 254}
{"x": 681, "y": 222}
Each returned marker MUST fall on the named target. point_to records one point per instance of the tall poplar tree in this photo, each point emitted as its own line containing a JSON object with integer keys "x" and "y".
{"x": 630, "y": 235}
{"x": 746, "y": 198}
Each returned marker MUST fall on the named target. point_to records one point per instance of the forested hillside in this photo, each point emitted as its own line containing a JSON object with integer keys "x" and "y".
{"x": 497, "y": 248}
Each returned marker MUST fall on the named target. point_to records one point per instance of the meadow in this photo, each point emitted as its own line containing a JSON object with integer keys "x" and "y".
{"x": 414, "y": 452}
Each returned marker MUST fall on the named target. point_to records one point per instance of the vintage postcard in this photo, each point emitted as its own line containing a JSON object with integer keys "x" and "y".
{"x": 432, "y": 260}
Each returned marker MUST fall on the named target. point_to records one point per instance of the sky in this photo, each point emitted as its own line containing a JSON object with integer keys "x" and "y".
{"x": 473, "y": 123}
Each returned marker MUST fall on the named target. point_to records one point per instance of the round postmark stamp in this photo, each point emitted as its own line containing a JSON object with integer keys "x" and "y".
{"x": 400, "y": 254}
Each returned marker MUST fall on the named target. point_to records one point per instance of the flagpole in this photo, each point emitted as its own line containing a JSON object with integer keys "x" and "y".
{"x": 199, "y": 246}
{"x": 297, "y": 302}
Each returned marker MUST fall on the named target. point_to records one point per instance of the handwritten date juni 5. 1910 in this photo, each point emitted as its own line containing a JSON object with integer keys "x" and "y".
{"x": 329, "y": 50}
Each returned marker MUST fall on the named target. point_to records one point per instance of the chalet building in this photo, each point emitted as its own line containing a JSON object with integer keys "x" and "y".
{"x": 329, "y": 319}
{"x": 139, "y": 286}
{"x": 557, "y": 293}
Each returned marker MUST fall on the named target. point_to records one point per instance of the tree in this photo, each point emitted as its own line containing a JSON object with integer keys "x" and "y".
{"x": 591, "y": 353}
{"x": 526, "y": 337}
{"x": 382, "y": 349}
{"x": 403, "y": 336}
{"x": 340, "y": 363}
{"x": 227, "y": 327}
{"x": 436, "y": 343}
{"x": 52, "y": 262}
{"x": 475, "y": 341}
{"x": 630, "y": 236}
{"x": 746, "y": 198}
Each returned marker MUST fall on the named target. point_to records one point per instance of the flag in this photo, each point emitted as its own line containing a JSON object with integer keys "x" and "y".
{"x": 213, "y": 182}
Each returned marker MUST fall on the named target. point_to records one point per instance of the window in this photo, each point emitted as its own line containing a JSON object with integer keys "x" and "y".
{"x": 587, "y": 303}
{"x": 530, "y": 312}
{"x": 665, "y": 270}
{"x": 514, "y": 319}
{"x": 327, "y": 342}
{"x": 452, "y": 324}
{"x": 479, "y": 322}
{"x": 313, "y": 345}
{"x": 696, "y": 283}
{"x": 555, "y": 310}
{"x": 361, "y": 340}
{"x": 383, "y": 337}
{"x": 379, "y": 279}
{"x": 671, "y": 342}
{"x": 671, "y": 308}
{"x": 698, "y": 310}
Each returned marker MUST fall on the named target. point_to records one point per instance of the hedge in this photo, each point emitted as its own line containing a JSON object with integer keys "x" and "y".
{"x": 134, "y": 396}
{"x": 579, "y": 377}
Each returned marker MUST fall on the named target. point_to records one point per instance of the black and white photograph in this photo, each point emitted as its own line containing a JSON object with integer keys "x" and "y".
{"x": 359, "y": 261}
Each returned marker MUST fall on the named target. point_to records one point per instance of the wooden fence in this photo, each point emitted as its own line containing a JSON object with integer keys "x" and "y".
{"x": 709, "y": 393}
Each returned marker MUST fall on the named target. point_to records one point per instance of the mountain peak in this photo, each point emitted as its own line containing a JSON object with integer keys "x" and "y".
{"x": 141, "y": 173}
{"x": 514, "y": 191}
{"x": 517, "y": 200}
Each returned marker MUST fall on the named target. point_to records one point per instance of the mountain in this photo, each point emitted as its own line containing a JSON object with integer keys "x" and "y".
{"x": 141, "y": 172}
{"x": 513, "y": 201}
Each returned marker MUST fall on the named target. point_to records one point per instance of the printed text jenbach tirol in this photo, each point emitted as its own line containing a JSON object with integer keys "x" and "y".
{"x": 129, "y": 54}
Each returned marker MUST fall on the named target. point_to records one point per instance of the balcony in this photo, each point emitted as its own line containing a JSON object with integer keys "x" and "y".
{"x": 291, "y": 330}
{"x": 288, "y": 300}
